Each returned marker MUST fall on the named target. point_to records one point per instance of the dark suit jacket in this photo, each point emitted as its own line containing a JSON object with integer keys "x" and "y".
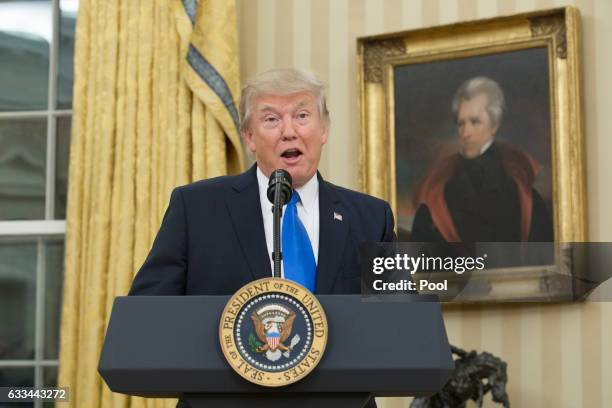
{"x": 212, "y": 239}
{"x": 484, "y": 204}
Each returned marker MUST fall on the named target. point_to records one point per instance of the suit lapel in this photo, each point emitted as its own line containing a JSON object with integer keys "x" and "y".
{"x": 332, "y": 237}
{"x": 245, "y": 210}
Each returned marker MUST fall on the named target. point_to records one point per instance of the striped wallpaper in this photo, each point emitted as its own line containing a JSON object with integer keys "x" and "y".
{"x": 558, "y": 355}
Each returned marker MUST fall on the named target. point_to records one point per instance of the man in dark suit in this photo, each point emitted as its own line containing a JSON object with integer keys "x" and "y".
{"x": 485, "y": 192}
{"x": 212, "y": 240}
{"x": 216, "y": 235}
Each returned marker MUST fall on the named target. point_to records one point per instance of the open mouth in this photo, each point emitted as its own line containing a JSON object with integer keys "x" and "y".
{"x": 291, "y": 153}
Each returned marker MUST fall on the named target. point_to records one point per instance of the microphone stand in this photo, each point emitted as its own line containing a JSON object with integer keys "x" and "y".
{"x": 279, "y": 192}
{"x": 277, "y": 211}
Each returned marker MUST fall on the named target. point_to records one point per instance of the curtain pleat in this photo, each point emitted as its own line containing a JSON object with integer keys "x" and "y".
{"x": 140, "y": 128}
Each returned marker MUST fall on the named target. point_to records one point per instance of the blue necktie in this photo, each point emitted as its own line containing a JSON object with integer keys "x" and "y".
{"x": 298, "y": 257}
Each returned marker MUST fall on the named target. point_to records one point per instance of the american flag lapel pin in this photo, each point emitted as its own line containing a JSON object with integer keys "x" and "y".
{"x": 337, "y": 216}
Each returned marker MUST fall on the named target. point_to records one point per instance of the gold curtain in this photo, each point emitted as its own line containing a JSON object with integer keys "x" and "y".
{"x": 155, "y": 94}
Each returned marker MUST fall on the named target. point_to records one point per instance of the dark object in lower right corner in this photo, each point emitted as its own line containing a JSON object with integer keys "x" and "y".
{"x": 475, "y": 375}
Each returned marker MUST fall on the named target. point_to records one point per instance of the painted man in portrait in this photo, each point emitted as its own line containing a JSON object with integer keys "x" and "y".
{"x": 483, "y": 193}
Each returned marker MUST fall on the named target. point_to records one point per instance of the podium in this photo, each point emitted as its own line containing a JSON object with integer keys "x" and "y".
{"x": 168, "y": 346}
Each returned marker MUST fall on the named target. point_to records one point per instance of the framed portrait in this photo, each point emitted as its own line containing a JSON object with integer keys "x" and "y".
{"x": 473, "y": 132}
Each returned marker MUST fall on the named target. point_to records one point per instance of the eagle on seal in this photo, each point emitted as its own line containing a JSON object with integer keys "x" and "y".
{"x": 273, "y": 324}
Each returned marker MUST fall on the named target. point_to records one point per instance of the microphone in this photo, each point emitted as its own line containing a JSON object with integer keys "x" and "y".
{"x": 280, "y": 180}
{"x": 279, "y": 193}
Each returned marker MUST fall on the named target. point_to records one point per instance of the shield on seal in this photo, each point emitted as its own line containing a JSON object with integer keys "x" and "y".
{"x": 273, "y": 339}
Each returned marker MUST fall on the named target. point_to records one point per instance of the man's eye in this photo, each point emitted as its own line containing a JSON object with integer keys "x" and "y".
{"x": 270, "y": 121}
{"x": 303, "y": 116}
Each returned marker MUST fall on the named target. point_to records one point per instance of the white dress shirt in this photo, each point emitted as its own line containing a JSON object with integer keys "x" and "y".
{"x": 483, "y": 149}
{"x": 307, "y": 209}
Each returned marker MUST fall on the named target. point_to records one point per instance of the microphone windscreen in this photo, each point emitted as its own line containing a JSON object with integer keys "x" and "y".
{"x": 280, "y": 179}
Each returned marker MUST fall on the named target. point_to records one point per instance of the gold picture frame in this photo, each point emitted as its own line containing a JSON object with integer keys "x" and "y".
{"x": 388, "y": 63}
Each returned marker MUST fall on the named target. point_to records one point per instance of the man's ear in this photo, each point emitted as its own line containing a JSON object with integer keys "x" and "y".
{"x": 495, "y": 129}
{"x": 247, "y": 135}
{"x": 325, "y": 134}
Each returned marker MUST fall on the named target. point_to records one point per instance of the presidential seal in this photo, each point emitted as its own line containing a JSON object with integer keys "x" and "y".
{"x": 273, "y": 332}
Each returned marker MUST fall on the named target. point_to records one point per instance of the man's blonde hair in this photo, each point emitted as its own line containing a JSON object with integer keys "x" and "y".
{"x": 283, "y": 81}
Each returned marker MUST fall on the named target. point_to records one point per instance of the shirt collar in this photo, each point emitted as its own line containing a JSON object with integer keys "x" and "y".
{"x": 309, "y": 192}
{"x": 486, "y": 146}
{"x": 483, "y": 149}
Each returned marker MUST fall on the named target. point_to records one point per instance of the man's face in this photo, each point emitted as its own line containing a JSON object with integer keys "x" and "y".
{"x": 474, "y": 126}
{"x": 287, "y": 132}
